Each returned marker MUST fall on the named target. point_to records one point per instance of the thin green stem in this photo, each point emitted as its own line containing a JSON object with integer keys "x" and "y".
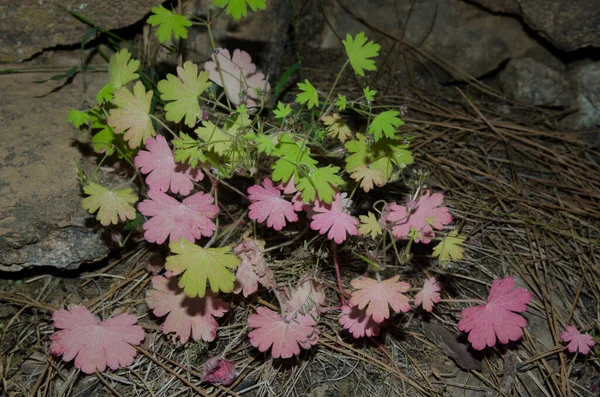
{"x": 159, "y": 121}
{"x": 335, "y": 83}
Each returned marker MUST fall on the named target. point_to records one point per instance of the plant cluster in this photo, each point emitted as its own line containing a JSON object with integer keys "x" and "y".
{"x": 308, "y": 159}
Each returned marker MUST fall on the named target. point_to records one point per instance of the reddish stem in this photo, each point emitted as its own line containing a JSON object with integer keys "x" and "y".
{"x": 337, "y": 272}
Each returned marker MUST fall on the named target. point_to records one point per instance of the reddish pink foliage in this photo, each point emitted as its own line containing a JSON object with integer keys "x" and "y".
{"x": 577, "y": 341}
{"x": 423, "y": 215}
{"x": 164, "y": 172}
{"x": 238, "y": 76}
{"x": 190, "y": 219}
{"x": 268, "y": 204}
{"x": 218, "y": 371}
{"x": 496, "y": 318}
{"x": 378, "y": 295}
{"x": 195, "y": 316}
{"x": 93, "y": 343}
{"x": 357, "y": 322}
{"x": 285, "y": 336}
{"x": 333, "y": 218}
{"x": 429, "y": 294}
{"x": 253, "y": 269}
{"x": 288, "y": 187}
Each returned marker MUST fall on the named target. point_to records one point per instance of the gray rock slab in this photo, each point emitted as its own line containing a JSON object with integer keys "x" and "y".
{"x": 536, "y": 83}
{"x": 568, "y": 25}
{"x": 41, "y": 219}
{"x": 29, "y": 26}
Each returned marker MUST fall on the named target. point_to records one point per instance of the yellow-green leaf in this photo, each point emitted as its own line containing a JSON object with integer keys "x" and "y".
{"x": 216, "y": 139}
{"x": 336, "y": 127}
{"x": 308, "y": 96}
{"x": 369, "y": 225}
{"x": 450, "y": 247}
{"x": 168, "y": 23}
{"x": 200, "y": 265}
{"x": 359, "y": 52}
{"x": 122, "y": 69}
{"x": 132, "y": 115}
{"x": 184, "y": 89}
{"x": 112, "y": 205}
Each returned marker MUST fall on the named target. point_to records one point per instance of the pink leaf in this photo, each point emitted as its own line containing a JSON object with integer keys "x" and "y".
{"x": 195, "y": 316}
{"x": 238, "y": 76}
{"x": 268, "y": 204}
{"x": 577, "y": 341}
{"x": 429, "y": 294}
{"x": 285, "y": 336}
{"x": 378, "y": 295}
{"x": 496, "y": 318}
{"x": 333, "y": 218}
{"x": 253, "y": 269}
{"x": 190, "y": 219}
{"x": 305, "y": 298}
{"x": 288, "y": 187}
{"x": 423, "y": 215}
{"x": 218, "y": 371}
{"x": 357, "y": 322}
{"x": 93, "y": 343}
{"x": 163, "y": 172}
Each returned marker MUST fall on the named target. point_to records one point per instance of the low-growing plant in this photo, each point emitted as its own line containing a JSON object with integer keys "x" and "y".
{"x": 307, "y": 159}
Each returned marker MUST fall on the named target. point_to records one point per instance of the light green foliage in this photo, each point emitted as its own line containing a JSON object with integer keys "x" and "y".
{"x": 184, "y": 91}
{"x": 188, "y": 149}
{"x": 122, "y": 69}
{"x": 78, "y": 118}
{"x": 110, "y": 204}
{"x": 200, "y": 265}
{"x": 237, "y": 8}
{"x": 372, "y": 165}
{"x": 265, "y": 143}
{"x": 369, "y": 225}
{"x": 341, "y": 102}
{"x": 169, "y": 23}
{"x": 282, "y": 110}
{"x": 369, "y": 94}
{"x": 104, "y": 141}
{"x": 319, "y": 181}
{"x": 292, "y": 156}
{"x": 308, "y": 96}
{"x": 359, "y": 52}
{"x": 450, "y": 248}
{"x": 336, "y": 128}
{"x": 216, "y": 139}
{"x": 384, "y": 124}
{"x": 132, "y": 114}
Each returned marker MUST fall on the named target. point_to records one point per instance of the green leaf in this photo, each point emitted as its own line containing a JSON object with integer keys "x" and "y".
{"x": 187, "y": 149}
{"x": 78, "y": 118}
{"x": 384, "y": 124}
{"x": 369, "y": 94}
{"x": 265, "y": 143}
{"x": 169, "y": 23}
{"x": 216, "y": 139}
{"x": 369, "y": 225}
{"x": 104, "y": 141}
{"x": 122, "y": 69}
{"x": 359, "y": 52}
{"x": 237, "y": 8}
{"x": 284, "y": 77}
{"x": 110, "y": 204}
{"x": 341, "y": 102}
{"x": 200, "y": 265}
{"x": 336, "y": 127}
{"x": 184, "y": 91}
{"x": 282, "y": 110}
{"x": 308, "y": 95}
{"x": 105, "y": 95}
{"x": 293, "y": 155}
{"x": 321, "y": 182}
{"x": 363, "y": 167}
{"x": 450, "y": 247}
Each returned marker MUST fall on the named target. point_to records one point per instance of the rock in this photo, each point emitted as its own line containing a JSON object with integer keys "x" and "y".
{"x": 586, "y": 79}
{"x": 29, "y": 26}
{"x": 528, "y": 80}
{"x": 464, "y": 35}
{"x": 568, "y": 25}
{"x": 41, "y": 219}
